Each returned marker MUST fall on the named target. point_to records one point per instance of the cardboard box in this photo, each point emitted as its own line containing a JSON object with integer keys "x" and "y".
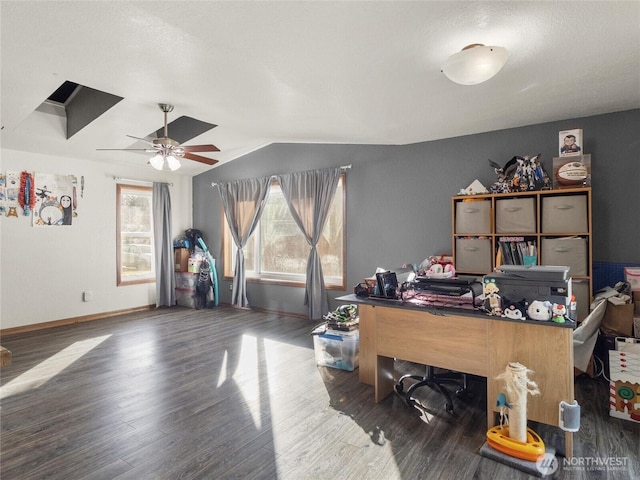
{"x": 618, "y": 320}
{"x": 181, "y": 259}
{"x": 5, "y": 357}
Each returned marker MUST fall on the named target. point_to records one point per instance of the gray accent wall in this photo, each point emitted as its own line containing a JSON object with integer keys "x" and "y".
{"x": 399, "y": 197}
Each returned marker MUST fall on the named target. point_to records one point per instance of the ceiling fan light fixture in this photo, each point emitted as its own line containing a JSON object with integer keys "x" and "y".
{"x": 157, "y": 161}
{"x": 173, "y": 162}
{"x": 475, "y": 64}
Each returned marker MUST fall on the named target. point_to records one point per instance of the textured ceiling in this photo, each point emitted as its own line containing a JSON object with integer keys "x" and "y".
{"x": 319, "y": 72}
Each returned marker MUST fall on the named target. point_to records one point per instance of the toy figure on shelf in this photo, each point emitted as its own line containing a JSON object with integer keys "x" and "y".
{"x": 492, "y": 301}
{"x": 502, "y": 184}
{"x": 529, "y": 174}
{"x": 559, "y": 313}
{"x": 520, "y": 174}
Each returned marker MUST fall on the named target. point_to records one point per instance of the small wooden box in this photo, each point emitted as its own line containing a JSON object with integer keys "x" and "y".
{"x": 181, "y": 259}
{"x": 5, "y": 357}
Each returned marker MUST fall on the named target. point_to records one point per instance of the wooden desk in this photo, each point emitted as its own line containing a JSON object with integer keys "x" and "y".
{"x": 474, "y": 344}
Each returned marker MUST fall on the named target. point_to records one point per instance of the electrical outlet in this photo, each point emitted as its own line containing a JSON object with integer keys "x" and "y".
{"x": 86, "y": 296}
{"x": 231, "y": 286}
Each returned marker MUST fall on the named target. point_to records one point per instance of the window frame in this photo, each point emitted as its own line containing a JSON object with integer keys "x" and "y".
{"x": 293, "y": 280}
{"x": 134, "y": 279}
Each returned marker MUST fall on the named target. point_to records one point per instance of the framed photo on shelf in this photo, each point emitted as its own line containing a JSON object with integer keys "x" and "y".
{"x": 572, "y": 172}
{"x": 570, "y": 143}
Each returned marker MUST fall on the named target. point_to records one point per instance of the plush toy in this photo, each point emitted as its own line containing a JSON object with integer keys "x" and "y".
{"x": 539, "y": 310}
{"x": 437, "y": 270}
{"x": 559, "y": 312}
{"x": 514, "y": 310}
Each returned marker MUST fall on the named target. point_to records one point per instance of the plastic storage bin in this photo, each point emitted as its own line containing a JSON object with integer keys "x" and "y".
{"x": 337, "y": 349}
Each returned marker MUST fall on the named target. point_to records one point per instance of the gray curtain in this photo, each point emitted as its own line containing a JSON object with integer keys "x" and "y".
{"x": 163, "y": 246}
{"x": 309, "y": 195}
{"x": 243, "y": 202}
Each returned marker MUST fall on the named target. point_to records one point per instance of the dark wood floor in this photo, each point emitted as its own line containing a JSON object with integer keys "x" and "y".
{"x": 228, "y": 393}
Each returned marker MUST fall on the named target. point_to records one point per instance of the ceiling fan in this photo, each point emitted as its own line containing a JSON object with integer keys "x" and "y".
{"x": 168, "y": 150}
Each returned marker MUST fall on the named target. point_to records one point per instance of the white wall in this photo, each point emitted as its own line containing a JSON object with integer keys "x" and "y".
{"x": 45, "y": 270}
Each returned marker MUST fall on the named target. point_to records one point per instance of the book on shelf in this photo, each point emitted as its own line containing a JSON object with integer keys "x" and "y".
{"x": 516, "y": 251}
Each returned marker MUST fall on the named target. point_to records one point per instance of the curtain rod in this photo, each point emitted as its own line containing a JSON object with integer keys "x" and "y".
{"x": 343, "y": 167}
{"x": 117, "y": 179}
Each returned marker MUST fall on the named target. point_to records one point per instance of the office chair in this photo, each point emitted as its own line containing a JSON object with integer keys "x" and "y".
{"x": 435, "y": 382}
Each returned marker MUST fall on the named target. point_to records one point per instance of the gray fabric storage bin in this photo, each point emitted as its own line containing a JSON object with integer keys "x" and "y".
{"x": 516, "y": 215}
{"x": 473, "y": 217}
{"x": 580, "y": 290}
{"x": 570, "y": 252}
{"x": 473, "y": 255}
{"x": 564, "y": 213}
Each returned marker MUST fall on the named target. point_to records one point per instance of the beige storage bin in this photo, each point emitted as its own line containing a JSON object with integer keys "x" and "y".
{"x": 473, "y": 217}
{"x": 516, "y": 215}
{"x": 473, "y": 255}
{"x": 565, "y": 213}
{"x": 580, "y": 290}
{"x": 570, "y": 252}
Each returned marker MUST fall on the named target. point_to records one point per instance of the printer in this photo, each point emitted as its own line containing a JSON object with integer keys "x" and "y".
{"x": 537, "y": 292}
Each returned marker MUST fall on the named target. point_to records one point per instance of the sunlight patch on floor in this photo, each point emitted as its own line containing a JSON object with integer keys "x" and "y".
{"x": 223, "y": 370}
{"x": 247, "y": 371}
{"x": 49, "y": 368}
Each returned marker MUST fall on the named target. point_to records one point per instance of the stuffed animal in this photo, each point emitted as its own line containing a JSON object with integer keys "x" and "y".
{"x": 514, "y": 310}
{"x": 539, "y": 310}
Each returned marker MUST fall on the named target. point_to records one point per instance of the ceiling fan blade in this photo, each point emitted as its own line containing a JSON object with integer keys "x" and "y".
{"x": 146, "y": 140}
{"x": 128, "y": 149}
{"x": 200, "y": 148}
{"x": 199, "y": 158}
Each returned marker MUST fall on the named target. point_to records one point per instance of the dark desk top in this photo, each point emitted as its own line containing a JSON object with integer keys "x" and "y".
{"x": 443, "y": 311}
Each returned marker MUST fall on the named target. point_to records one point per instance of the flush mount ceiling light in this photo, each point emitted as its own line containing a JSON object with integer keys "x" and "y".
{"x": 475, "y": 64}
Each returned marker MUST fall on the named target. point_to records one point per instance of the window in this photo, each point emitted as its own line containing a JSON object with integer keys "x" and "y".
{"x": 134, "y": 243}
{"x": 277, "y": 252}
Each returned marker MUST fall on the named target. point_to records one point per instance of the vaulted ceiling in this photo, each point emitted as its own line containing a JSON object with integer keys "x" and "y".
{"x": 313, "y": 72}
